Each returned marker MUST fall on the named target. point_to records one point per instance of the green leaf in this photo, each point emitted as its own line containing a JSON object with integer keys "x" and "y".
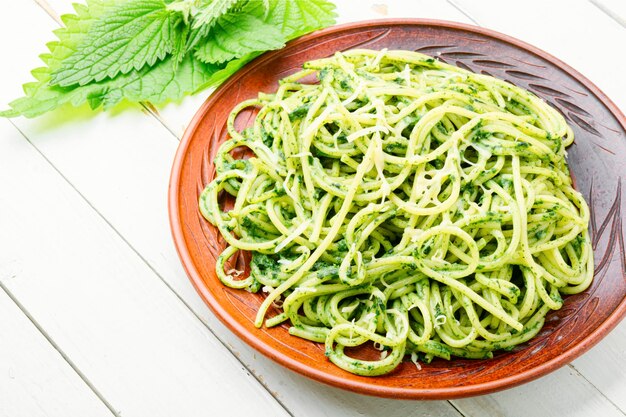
{"x": 132, "y": 34}
{"x": 237, "y": 34}
{"x": 75, "y": 30}
{"x": 205, "y": 17}
{"x": 292, "y": 17}
{"x": 166, "y": 80}
{"x": 166, "y": 75}
{"x": 232, "y": 67}
{"x": 162, "y": 83}
{"x": 297, "y": 17}
{"x": 194, "y": 37}
{"x": 180, "y": 49}
{"x": 210, "y": 10}
{"x": 9, "y": 113}
{"x": 257, "y": 27}
{"x": 39, "y": 98}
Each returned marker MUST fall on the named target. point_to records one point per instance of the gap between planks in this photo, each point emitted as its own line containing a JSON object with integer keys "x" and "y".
{"x": 49, "y": 10}
{"x": 150, "y": 109}
{"x": 610, "y": 13}
{"x": 56, "y": 347}
{"x": 460, "y": 9}
{"x": 617, "y": 407}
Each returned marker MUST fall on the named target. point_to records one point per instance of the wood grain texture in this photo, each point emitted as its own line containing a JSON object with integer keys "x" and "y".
{"x": 600, "y": 364}
{"x": 35, "y": 380}
{"x": 549, "y": 399}
{"x": 108, "y": 339}
{"x": 574, "y": 329}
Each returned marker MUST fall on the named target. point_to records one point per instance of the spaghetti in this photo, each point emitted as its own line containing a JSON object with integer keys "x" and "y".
{"x": 403, "y": 202}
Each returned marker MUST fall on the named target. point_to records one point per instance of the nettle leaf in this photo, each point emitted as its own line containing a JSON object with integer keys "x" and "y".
{"x": 255, "y": 27}
{"x": 115, "y": 50}
{"x": 229, "y": 69}
{"x": 39, "y": 97}
{"x": 75, "y": 30}
{"x": 205, "y": 17}
{"x": 237, "y": 34}
{"x": 166, "y": 80}
{"x": 292, "y": 17}
{"x": 127, "y": 37}
{"x": 210, "y": 10}
{"x": 297, "y": 17}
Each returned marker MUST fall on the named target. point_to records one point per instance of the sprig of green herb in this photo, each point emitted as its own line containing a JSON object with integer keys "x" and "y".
{"x": 159, "y": 50}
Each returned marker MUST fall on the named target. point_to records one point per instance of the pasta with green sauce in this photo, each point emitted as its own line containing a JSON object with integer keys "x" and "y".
{"x": 402, "y": 202}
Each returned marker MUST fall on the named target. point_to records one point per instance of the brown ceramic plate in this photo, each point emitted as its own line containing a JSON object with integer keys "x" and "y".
{"x": 597, "y": 160}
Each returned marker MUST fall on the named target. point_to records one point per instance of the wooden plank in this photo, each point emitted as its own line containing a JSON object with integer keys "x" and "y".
{"x": 576, "y": 32}
{"x": 604, "y": 366}
{"x": 561, "y": 393}
{"x": 616, "y": 9}
{"x": 376, "y": 9}
{"x": 35, "y": 381}
{"x": 211, "y": 350}
{"x": 126, "y": 331}
{"x": 597, "y": 390}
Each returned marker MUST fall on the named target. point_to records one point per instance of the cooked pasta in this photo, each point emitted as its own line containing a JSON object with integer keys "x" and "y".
{"x": 402, "y": 202}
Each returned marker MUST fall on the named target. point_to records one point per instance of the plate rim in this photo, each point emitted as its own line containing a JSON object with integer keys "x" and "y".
{"x": 371, "y": 388}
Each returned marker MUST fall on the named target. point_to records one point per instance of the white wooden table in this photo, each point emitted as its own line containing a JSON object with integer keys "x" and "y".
{"x": 97, "y": 317}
